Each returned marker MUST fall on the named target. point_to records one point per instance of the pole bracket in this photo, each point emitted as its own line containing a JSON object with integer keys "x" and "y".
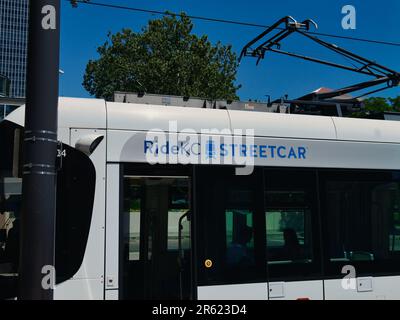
{"x": 39, "y": 169}
{"x": 41, "y": 136}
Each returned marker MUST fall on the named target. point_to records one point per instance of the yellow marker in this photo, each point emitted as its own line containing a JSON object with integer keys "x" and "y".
{"x": 208, "y": 263}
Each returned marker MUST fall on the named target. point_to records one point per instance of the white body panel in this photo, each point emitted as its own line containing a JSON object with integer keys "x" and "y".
{"x": 80, "y": 289}
{"x": 284, "y": 125}
{"x": 128, "y": 146}
{"x": 112, "y": 295}
{"x": 112, "y": 227}
{"x": 383, "y": 288}
{"x": 308, "y": 290}
{"x": 256, "y": 291}
{"x": 64, "y": 135}
{"x": 367, "y": 130}
{"x": 73, "y": 113}
{"x": 138, "y": 117}
{"x": 91, "y": 113}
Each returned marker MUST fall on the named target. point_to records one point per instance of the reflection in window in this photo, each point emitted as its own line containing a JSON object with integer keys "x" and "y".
{"x": 9, "y": 231}
{"x": 288, "y": 226}
{"x": 178, "y": 193}
{"x": 395, "y": 234}
{"x": 291, "y": 223}
{"x": 173, "y": 230}
{"x": 288, "y": 237}
{"x": 363, "y": 220}
{"x": 239, "y": 238}
{"x": 176, "y": 205}
{"x": 131, "y": 225}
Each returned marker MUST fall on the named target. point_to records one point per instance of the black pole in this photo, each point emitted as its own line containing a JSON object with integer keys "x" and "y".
{"x": 40, "y": 150}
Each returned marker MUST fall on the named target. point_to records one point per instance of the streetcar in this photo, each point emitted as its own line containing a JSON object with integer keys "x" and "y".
{"x": 153, "y": 202}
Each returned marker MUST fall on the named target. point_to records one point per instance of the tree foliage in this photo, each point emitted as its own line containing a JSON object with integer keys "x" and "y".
{"x": 378, "y": 104}
{"x": 165, "y": 58}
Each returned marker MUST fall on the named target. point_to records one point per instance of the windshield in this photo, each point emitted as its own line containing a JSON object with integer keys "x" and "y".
{"x": 76, "y": 180}
{"x": 10, "y": 205}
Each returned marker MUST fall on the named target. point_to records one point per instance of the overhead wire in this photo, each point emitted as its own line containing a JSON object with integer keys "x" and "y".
{"x": 233, "y": 22}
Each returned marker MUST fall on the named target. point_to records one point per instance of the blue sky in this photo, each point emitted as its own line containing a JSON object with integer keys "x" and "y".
{"x": 85, "y": 28}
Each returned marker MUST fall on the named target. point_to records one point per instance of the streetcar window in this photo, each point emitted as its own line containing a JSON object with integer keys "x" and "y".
{"x": 362, "y": 221}
{"x": 174, "y": 216}
{"x": 286, "y": 235}
{"x": 178, "y": 193}
{"x": 292, "y": 224}
{"x": 239, "y": 238}
{"x": 132, "y": 219}
{"x": 76, "y": 183}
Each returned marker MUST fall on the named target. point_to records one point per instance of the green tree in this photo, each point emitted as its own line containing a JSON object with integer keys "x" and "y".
{"x": 376, "y": 104}
{"x": 395, "y": 103}
{"x": 379, "y": 104}
{"x": 165, "y": 58}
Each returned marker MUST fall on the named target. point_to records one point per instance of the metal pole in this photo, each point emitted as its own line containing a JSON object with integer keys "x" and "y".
{"x": 40, "y": 149}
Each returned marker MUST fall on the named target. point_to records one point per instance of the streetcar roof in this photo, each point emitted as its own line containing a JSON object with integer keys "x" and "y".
{"x": 99, "y": 114}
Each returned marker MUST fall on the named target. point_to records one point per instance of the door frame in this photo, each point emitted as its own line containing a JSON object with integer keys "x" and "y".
{"x": 139, "y": 170}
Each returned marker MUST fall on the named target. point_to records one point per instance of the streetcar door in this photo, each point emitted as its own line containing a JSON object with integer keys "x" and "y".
{"x": 156, "y": 238}
{"x": 230, "y": 235}
{"x": 292, "y": 230}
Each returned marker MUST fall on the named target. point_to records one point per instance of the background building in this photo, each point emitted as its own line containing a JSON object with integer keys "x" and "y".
{"x": 13, "y": 51}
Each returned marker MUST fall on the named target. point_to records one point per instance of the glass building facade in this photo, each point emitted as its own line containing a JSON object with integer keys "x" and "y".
{"x": 13, "y": 47}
